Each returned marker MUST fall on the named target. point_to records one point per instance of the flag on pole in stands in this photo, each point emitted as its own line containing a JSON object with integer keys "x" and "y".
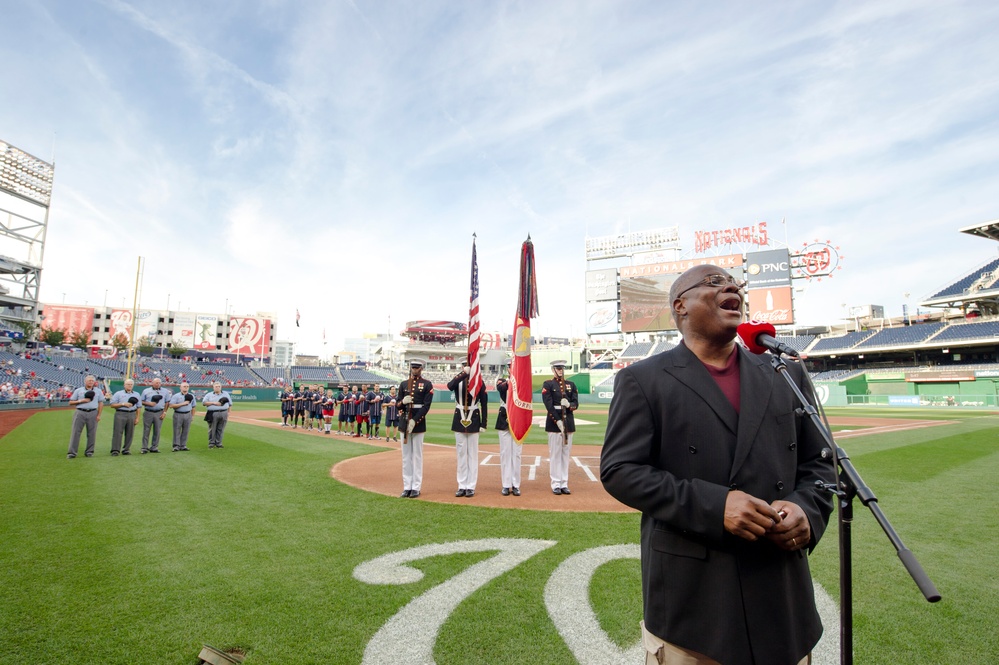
{"x": 475, "y": 384}
{"x": 519, "y": 397}
{"x": 297, "y": 318}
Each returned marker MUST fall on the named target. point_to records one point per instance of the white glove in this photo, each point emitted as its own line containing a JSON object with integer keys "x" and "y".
{"x": 466, "y": 369}
{"x": 561, "y": 426}
{"x": 564, "y": 402}
{"x": 410, "y": 426}
{"x": 408, "y": 399}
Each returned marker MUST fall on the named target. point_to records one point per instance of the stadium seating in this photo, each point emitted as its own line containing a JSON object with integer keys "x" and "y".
{"x": 964, "y": 331}
{"x": 961, "y": 285}
{"x": 843, "y": 342}
{"x": 904, "y": 336}
{"x": 797, "y": 342}
{"x": 636, "y": 350}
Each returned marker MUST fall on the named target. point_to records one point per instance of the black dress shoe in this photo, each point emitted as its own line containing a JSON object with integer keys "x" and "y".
{"x": 414, "y": 494}
{"x": 156, "y": 450}
{"x": 469, "y": 494}
{"x": 460, "y": 493}
{"x": 405, "y": 494}
{"x": 565, "y": 490}
{"x": 114, "y": 453}
{"x": 515, "y": 491}
{"x": 125, "y": 452}
{"x": 505, "y": 491}
{"x": 144, "y": 451}
{"x": 557, "y": 492}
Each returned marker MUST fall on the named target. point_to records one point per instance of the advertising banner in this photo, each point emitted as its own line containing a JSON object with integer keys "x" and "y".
{"x": 145, "y": 329}
{"x": 205, "y": 328}
{"x": 601, "y": 284}
{"x": 72, "y": 319}
{"x": 249, "y": 336}
{"x": 766, "y": 270}
{"x": 183, "y": 330}
{"x": 601, "y": 318}
{"x": 772, "y": 305}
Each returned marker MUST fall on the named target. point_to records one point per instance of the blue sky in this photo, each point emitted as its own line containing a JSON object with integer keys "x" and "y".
{"x": 337, "y": 156}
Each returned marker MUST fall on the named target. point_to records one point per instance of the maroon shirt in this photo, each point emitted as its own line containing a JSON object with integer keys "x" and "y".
{"x": 727, "y": 377}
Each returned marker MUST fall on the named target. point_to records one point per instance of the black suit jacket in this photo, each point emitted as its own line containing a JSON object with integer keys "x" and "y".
{"x": 674, "y": 448}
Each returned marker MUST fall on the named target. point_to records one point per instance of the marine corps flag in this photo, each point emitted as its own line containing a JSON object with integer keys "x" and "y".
{"x": 519, "y": 398}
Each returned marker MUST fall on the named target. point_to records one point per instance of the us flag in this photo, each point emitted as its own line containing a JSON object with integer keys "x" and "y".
{"x": 475, "y": 374}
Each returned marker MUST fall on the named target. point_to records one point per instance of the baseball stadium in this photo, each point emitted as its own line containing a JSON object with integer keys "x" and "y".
{"x": 290, "y": 546}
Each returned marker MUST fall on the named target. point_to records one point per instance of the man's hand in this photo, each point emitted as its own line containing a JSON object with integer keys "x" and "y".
{"x": 793, "y": 532}
{"x": 410, "y": 425}
{"x": 408, "y": 399}
{"x": 561, "y": 426}
{"x": 748, "y": 517}
{"x": 564, "y": 402}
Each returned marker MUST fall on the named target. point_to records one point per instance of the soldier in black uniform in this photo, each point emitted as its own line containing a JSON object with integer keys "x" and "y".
{"x": 469, "y": 419}
{"x": 561, "y": 399}
{"x": 510, "y": 450}
{"x": 415, "y": 397}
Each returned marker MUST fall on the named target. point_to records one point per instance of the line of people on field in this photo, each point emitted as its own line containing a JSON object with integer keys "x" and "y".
{"x": 416, "y": 394}
{"x": 358, "y": 411}
{"x": 154, "y": 402}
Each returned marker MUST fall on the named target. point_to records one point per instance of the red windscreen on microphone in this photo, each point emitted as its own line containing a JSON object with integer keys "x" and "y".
{"x": 749, "y": 330}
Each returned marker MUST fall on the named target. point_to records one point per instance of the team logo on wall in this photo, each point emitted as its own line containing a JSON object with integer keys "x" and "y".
{"x": 248, "y": 335}
{"x": 817, "y": 260}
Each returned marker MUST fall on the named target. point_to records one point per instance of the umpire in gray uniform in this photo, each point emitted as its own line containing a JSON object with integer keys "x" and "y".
{"x": 183, "y": 411}
{"x": 125, "y": 403}
{"x": 155, "y": 401}
{"x": 88, "y": 400}
{"x": 217, "y": 402}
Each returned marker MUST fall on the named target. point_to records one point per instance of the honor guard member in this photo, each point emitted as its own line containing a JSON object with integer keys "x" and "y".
{"x": 88, "y": 402}
{"x": 469, "y": 418}
{"x": 392, "y": 415}
{"x": 416, "y": 394}
{"x": 510, "y": 450}
{"x": 341, "y": 400}
{"x": 154, "y": 400}
{"x": 125, "y": 403}
{"x": 560, "y": 399}
{"x": 217, "y": 402}
{"x": 183, "y": 412}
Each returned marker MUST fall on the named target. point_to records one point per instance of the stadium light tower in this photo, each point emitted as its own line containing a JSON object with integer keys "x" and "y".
{"x": 25, "y": 196}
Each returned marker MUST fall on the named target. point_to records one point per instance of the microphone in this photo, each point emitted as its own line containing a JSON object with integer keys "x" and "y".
{"x": 759, "y": 338}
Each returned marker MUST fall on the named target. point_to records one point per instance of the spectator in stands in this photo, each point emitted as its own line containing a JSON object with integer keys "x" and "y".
{"x": 125, "y": 403}
{"x": 470, "y": 417}
{"x": 217, "y": 402}
{"x": 155, "y": 401}
{"x": 416, "y": 394}
{"x": 183, "y": 412}
{"x": 88, "y": 402}
{"x": 704, "y": 440}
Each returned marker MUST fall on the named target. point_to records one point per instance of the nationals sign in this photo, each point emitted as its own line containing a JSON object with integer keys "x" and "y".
{"x": 817, "y": 260}
{"x": 249, "y": 336}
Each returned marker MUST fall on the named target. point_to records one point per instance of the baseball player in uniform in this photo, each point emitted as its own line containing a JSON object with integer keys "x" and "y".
{"x": 375, "y": 399}
{"x": 329, "y": 410}
{"x": 125, "y": 403}
{"x": 392, "y": 415}
{"x": 361, "y": 409}
{"x": 217, "y": 402}
{"x": 510, "y": 450}
{"x": 560, "y": 399}
{"x": 183, "y": 412}
{"x": 88, "y": 402}
{"x": 469, "y": 418}
{"x": 287, "y": 406}
{"x": 416, "y": 394}
{"x": 154, "y": 401}
{"x": 341, "y": 399}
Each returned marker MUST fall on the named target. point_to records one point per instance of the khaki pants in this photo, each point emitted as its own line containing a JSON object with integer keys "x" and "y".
{"x": 660, "y": 652}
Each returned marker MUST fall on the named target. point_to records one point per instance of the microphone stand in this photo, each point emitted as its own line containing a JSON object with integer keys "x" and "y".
{"x": 852, "y": 485}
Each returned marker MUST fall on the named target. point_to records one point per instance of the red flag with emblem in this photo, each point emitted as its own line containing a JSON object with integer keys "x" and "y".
{"x": 519, "y": 397}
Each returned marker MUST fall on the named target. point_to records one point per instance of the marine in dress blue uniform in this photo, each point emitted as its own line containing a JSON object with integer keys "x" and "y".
{"x": 416, "y": 394}
{"x": 469, "y": 419}
{"x": 511, "y": 452}
{"x": 560, "y": 398}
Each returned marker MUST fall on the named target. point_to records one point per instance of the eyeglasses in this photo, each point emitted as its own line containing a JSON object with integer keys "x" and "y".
{"x": 715, "y": 281}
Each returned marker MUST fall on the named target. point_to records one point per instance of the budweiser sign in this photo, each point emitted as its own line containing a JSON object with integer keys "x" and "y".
{"x": 742, "y": 235}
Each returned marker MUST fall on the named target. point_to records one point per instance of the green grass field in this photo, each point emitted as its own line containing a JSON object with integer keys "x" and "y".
{"x": 146, "y": 558}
